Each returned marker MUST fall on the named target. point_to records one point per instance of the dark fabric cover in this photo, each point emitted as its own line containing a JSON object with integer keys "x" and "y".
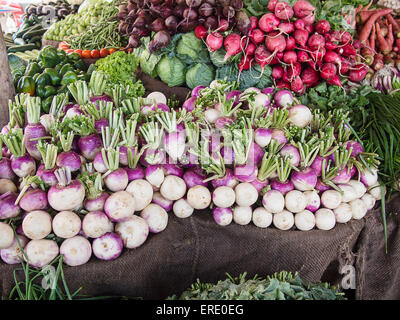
{"x": 197, "y": 247}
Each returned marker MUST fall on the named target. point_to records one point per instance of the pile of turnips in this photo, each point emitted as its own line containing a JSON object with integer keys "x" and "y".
{"x": 301, "y": 51}
{"x": 92, "y": 177}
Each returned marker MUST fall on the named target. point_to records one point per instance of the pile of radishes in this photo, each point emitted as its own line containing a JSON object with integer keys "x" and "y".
{"x": 301, "y": 51}
{"x": 93, "y": 177}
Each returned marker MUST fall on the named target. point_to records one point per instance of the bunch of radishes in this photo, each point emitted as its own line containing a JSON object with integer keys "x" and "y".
{"x": 301, "y": 51}
{"x": 103, "y": 173}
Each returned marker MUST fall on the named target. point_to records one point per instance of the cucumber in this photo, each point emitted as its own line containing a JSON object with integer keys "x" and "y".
{"x": 35, "y": 39}
{"x": 34, "y": 33}
{"x": 26, "y": 47}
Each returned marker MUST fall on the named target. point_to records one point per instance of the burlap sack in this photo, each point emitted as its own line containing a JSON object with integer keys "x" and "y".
{"x": 197, "y": 247}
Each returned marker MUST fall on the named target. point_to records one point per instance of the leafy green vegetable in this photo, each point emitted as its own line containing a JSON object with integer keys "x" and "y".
{"x": 171, "y": 71}
{"x": 149, "y": 62}
{"x": 119, "y": 66}
{"x": 191, "y": 49}
{"x": 199, "y": 75}
{"x": 279, "y": 286}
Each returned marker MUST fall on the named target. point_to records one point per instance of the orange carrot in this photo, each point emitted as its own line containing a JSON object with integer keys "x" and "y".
{"x": 366, "y": 31}
{"x": 383, "y": 44}
{"x": 396, "y": 26}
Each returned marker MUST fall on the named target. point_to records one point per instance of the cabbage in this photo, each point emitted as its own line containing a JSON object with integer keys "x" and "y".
{"x": 171, "y": 71}
{"x": 199, "y": 75}
{"x": 191, "y": 49}
{"x": 149, "y": 62}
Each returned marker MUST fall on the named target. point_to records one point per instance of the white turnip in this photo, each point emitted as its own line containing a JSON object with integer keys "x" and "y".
{"x": 359, "y": 188}
{"x": 283, "y": 220}
{"x": 222, "y": 216}
{"x": 331, "y": 199}
{"x": 142, "y": 191}
{"x": 76, "y": 251}
{"x": 37, "y": 225}
{"x": 6, "y": 185}
{"x": 13, "y": 253}
{"x": 369, "y": 201}
{"x": 273, "y": 201}
{"x": 6, "y": 235}
{"x": 325, "y": 219}
{"x": 120, "y": 206}
{"x": 343, "y": 213}
{"x": 199, "y": 197}
{"x": 223, "y": 197}
{"x": 182, "y": 209}
{"x": 66, "y": 224}
{"x": 375, "y": 190}
{"x": 173, "y": 188}
{"x": 156, "y": 217}
{"x": 162, "y": 202}
{"x": 246, "y": 194}
{"x": 261, "y": 217}
{"x": 133, "y": 231}
{"x": 349, "y": 193}
{"x": 40, "y": 253}
{"x": 358, "y": 209}
{"x": 96, "y": 223}
{"x": 242, "y": 215}
{"x": 295, "y": 201}
{"x": 304, "y": 220}
{"x": 107, "y": 247}
{"x": 313, "y": 200}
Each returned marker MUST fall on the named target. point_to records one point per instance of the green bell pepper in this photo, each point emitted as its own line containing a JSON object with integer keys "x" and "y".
{"x": 26, "y": 85}
{"x": 43, "y": 80}
{"x": 35, "y": 76}
{"x": 41, "y": 91}
{"x": 84, "y": 77}
{"x": 49, "y": 91}
{"x": 49, "y": 57}
{"x": 46, "y": 104}
{"x": 62, "y": 55}
{"x": 69, "y": 77}
{"x": 80, "y": 65}
{"x": 54, "y": 76}
{"x": 32, "y": 69}
{"x": 73, "y": 56}
{"x": 66, "y": 67}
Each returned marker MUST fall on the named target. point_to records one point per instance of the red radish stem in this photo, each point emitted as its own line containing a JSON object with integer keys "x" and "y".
{"x": 366, "y": 31}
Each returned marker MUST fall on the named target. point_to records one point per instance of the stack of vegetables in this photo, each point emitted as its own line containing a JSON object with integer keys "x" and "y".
{"x": 55, "y": 10}
{"x": 102, "y": 173}
{"x": 49, "y": 74}
{"x": 92, "y": 28}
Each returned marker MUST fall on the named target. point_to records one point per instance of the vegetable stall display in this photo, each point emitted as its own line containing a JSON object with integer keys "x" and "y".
{"x": 56, "y": 10}
{"x": 101, "y": 173}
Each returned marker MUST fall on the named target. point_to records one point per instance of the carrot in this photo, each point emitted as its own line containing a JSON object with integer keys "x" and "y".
{"x": 383, "y": 44}
{"x": 366, "y": 31}
{"x": 369, "y": 4}
{"x": 360, "y": 7}
{"x": 367, "y": 53}
{"x": 378, "y": 62}
{"x": 396, "y": 26}
{"x": 372, "y": 39}
{"x": 390, "y": 38}
{"x": 364, "y": 15}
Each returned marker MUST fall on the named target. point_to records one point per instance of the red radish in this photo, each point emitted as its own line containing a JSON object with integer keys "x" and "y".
{"x": 344, "y": 67}
{"x": 286, "y": 27}
{"x": 232, "y": 44}
{"x": 297, "y": 86}
{"x": 275, "y": 42}
{"x": 277, "y": 72}
{"x": 257, "y": 36}
{"x": 268, "y": 22}
{"x": 322, "y": 27}
{"x": 316, "y": 41}
{"x": 271, "y": 5}
{"x": 290, "y": 57}
{"x": 223, "y": 25}
{"x": 348, "y": 50}
{"x": 309, "y": 76}
{"x": 332, "y": 57}
{"x": 318, "y": 55}
{"x": 277, "y": 58}
{"x": 250, "y": 49}
{"x": 345, "y": 37}
{"x": 214, "y": 41}
{"x": 330, "y": 45}
{"x": 358, "y": 73}
{"x": 262, "y": 57}
{"x": 245, "y": 63}
{"x": 308, "y": 21}
{"x": 283, "y": 11}
{"x": 302, "y": 56}
{"x": 335, "y": 81}
{"x": 294, "y": 70}
{"x": 290, "y": 43}
{"x": 285, "y": 76}
{"x": 283, "y": 85}
{"x": 357, "y": 44}
{"x": 328, "y": 71}
{"x": 302, "y": 8}
{"x": 253, "y": 23}
{"x": 299, "y": 24}
{"x": 200, "y": 32}
{"x": 301, "y": 37}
